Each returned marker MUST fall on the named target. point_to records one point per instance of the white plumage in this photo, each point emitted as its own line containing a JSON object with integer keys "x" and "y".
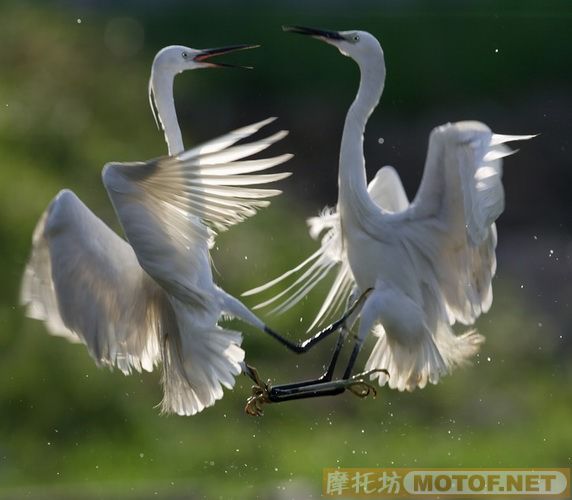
{"x": 430, "y": 263}
{"x": 153, "y": 299}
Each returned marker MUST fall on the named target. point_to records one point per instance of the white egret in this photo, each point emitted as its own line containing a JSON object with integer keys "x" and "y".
{"x": 429, "y": 262}
{"x": 153, "y": 299}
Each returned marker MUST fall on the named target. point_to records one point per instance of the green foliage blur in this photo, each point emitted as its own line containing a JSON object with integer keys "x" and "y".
{"x": 73, "y": 95}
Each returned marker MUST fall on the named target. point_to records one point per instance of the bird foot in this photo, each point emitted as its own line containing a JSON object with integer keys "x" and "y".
{"x": 371, "y": 372}
{"x": 259, "y": 395}
{"x": 358, "y": 386}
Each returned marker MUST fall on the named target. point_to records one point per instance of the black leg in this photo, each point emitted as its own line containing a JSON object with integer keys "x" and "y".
{"x": 331, "y": 367}
{"x": 325, "y": 387}
{"x": 352, "y": 360}
{"x": 263, "y": 393}
{"x": 306, "y": 345}
{"x": 309, "y": 391}
{"x": 356, "y": 384}
{"x": 328, "y": 374}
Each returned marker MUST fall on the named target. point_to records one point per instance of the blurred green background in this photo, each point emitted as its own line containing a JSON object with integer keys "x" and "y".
{"x": 73, "y": 95}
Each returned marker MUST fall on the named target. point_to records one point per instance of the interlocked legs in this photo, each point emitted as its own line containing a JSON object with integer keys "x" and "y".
{"x": 264, "y": 393}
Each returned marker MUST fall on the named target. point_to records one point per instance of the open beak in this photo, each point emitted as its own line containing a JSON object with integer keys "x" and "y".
{"x": 204, "y": 55}
{"x": 326, "y": 35}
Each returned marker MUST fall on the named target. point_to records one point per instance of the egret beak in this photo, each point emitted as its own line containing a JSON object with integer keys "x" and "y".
{"x": 325, "y": 35}
{"x": 206, "y": 54}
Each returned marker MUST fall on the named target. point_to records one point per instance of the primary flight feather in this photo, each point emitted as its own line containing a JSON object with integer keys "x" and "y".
{"x": 152, "y": 298}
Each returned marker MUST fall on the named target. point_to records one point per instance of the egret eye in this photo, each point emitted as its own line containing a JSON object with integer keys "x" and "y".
{"x": 185, "y": 55}
{"x": 356, "y": 38}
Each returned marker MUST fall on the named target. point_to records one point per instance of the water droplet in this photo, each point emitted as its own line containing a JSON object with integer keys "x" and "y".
{"x": 78, "y": 20}
{"x": 381, "y": 140}
{"x": 496, "y": 51}
{"x": 489, "y": 359}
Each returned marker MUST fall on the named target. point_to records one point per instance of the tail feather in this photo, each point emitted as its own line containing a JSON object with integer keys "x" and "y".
{"x": 412, "y": 366}
{"x": 197, "y": 365}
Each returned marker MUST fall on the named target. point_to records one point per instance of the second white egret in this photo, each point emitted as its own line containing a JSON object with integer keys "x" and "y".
{"x": 430, "y": 262}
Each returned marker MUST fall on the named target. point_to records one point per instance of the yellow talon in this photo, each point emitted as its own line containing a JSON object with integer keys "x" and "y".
{"x": 362, "y": 389}
{"x": 259, "y": 395}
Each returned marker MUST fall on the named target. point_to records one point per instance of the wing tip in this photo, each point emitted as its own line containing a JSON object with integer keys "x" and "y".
{"x": 284, "y": 175}
{"x": 498, "y": 139}
{"x": 278, "y": 136}
{"x": 261, "y": 124}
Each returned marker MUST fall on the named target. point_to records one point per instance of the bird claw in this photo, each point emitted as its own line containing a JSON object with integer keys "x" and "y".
{"x": 370, "y": 372}
{"x": 358, "y": 386}
{"x": 259, "y": 395}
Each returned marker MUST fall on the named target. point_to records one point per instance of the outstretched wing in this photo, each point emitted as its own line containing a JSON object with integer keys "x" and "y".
{"x": 85, "y": 283}
{"x": 167, "y": 205}
{"x": 462, "y": 180}
{"x": 450, "y": 224}
{"x": 387, "y": 191}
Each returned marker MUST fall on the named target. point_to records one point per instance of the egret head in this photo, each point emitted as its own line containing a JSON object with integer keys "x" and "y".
{"x": 168, "y": 63}
{"x": 175, "y": 59}
{"x": 361, "y": 46}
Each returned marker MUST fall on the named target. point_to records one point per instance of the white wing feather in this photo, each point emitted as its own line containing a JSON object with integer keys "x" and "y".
{"x": 119, "y": 299}
{"x": 163, "y": 204}
{"x": 450, "y": 223}
{"x": 451, "y": 220}
{"x": 84, "y": 281}
{"x": 229, "y": 139}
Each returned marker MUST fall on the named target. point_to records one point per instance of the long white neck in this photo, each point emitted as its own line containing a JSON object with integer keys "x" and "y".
{"x": 162, "y": 89}
{"x": 353, "y": 195}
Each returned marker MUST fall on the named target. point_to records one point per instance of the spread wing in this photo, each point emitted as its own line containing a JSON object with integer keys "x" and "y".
{"x": 85, "y": 283}
{"x": 170, "y": 207}
{"x": 448, "y": 230}
{"x": 387, "y": 191}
